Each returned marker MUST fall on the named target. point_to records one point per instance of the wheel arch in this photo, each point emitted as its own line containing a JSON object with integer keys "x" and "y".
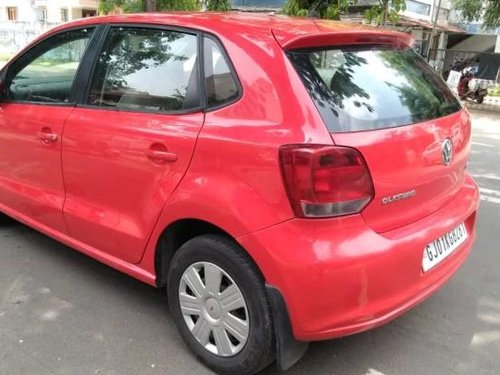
{"x": 179, "y": 232}
{"x": 288, "y": 350}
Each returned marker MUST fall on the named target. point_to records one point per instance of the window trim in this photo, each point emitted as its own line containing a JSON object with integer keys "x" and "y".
{"x": 232, "y": 70}
{"x": 84, "y": 97}
{"x": 87, "y": 66}
{"x": 12, "y": 68}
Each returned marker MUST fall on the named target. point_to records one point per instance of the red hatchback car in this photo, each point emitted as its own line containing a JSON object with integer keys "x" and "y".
{"x": 287, "y": 180}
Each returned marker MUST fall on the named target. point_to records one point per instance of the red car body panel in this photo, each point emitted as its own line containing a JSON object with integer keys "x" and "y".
{"x": 338, "y": 275}
{"x": 31, "y": 180}
{"x": 341, "y": 277}
{"x": 116, "y": 202}
{"x": 410, "y": 157}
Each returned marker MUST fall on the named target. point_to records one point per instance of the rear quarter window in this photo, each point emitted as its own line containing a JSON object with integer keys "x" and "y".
{"x": 368, "y": 88}
{"x": 220, "y": 82}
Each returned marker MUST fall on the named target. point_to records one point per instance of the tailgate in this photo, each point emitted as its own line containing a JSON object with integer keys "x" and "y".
{"x": 385, "y": 101}
{"x": 408, "y": 170}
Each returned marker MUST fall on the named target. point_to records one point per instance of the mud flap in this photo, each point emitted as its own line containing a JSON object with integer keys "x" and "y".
{"x": 288, "y": 350}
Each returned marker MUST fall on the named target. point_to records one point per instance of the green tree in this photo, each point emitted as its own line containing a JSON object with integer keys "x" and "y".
{"x": 178, "y": 5}
{"x": 330, "y": 9}
{"x": 380, "y": 13}
{"x": 218, "y": 5}
{"x": 475, "y": 10}
{"x": 384, "y": 11}
{"x": 107, "y": 6}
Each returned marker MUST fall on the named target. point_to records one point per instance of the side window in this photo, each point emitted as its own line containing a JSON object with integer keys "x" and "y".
{"x": 147, "y": 70}
{"x": 46, "y": 73}
{"x": 219, "y": 81}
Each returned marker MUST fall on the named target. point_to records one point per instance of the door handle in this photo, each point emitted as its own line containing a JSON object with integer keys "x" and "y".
{"x": 161, "y": 156}
{"x": 46, "y": 136}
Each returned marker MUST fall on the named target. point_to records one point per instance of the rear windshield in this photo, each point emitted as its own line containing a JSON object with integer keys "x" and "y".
{"x": 371, "y": 88}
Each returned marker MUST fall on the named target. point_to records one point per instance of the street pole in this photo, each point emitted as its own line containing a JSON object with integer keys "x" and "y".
{"x": 434, "y": 24}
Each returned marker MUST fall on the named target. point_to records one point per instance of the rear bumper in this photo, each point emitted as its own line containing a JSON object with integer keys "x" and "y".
{"x": 339, "y": 277}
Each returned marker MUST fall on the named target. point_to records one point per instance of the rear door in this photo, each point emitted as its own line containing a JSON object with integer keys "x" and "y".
{"x": 36, "y": 103}
{"x": 387, "y": 103}
{"x": 128, "y": 146}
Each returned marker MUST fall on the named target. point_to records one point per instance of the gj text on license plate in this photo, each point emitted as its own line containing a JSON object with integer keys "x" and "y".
{"x": 439, "y": 249}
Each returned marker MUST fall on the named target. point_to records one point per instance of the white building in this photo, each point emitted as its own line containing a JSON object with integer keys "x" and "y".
{"x": 46, "y": 11}
{"x": 23, "y": 20}
{"x": 425, "y": 10}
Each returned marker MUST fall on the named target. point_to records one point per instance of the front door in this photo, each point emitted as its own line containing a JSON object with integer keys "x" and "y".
{"x": 36, "y": 103}
{"x": 128, "y": 146}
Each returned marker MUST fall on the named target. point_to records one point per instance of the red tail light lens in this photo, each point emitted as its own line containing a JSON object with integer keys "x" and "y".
{"x": 324, "y": 181}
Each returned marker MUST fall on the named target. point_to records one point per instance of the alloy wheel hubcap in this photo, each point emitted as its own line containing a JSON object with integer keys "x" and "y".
{"x": 214, "y": 309}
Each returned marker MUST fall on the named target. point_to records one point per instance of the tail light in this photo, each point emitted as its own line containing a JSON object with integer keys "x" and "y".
{"x": 324, "y": 181}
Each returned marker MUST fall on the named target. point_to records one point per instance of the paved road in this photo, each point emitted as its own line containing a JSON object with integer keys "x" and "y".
{"x": 63, "y": 313}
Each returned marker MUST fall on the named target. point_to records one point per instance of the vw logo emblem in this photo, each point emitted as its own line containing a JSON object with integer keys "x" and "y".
{"x": 447, "y": 148}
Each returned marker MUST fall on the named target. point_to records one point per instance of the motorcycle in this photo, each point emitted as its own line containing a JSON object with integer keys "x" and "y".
{"x": 470, "y": 87}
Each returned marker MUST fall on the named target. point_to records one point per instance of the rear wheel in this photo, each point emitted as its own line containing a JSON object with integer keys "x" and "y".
{"x": 219, "y": 303}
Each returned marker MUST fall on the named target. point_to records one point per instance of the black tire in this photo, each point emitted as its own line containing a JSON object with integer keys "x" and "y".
{"x": 480, "y": 99}
{"x": 259, "y": 350}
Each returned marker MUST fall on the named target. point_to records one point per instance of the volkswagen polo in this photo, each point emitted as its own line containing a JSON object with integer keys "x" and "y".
{"x": 285, "y": 180}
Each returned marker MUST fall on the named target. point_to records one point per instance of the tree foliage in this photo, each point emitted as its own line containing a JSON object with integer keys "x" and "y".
{"x": 384, "y": 11}
{"x": 128, "y": 6}
{"x": 218, "y": 5}
{"x": 330, "y": 9}
{"x": 108, "y": 6}
{"x": 381, "y": 13}
{"x": 475, "y": 10}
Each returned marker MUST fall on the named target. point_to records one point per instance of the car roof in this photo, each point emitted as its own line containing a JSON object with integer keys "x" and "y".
{"x": 286, "y": 30}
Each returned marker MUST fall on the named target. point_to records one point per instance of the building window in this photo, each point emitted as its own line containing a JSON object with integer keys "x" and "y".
{"x": 418, "y": 7}
{"x": 64, "y": 14}
{"x": 12, "y": 13}
{"x": 444, "y": 14}
{"x": 88, "y": 13}
{"x": 42, "y": 14}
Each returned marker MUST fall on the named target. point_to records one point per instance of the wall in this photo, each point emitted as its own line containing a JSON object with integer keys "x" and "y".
{"x": 24, "y": 10}
{"x": 412, "y": 7}
{"x": 28, "y": 10}
{"x": 15, "y": 35}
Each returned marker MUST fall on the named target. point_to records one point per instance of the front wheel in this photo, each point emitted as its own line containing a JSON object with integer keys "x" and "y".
{"x": 220, "y": 306}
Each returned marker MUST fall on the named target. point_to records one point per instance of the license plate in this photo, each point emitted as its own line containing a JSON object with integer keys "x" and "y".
{"x": 440, "y": 249}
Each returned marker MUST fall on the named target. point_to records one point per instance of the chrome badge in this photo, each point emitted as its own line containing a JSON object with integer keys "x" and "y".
{"x": 400, "y": 196}
{"x": 447, "y": 151}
